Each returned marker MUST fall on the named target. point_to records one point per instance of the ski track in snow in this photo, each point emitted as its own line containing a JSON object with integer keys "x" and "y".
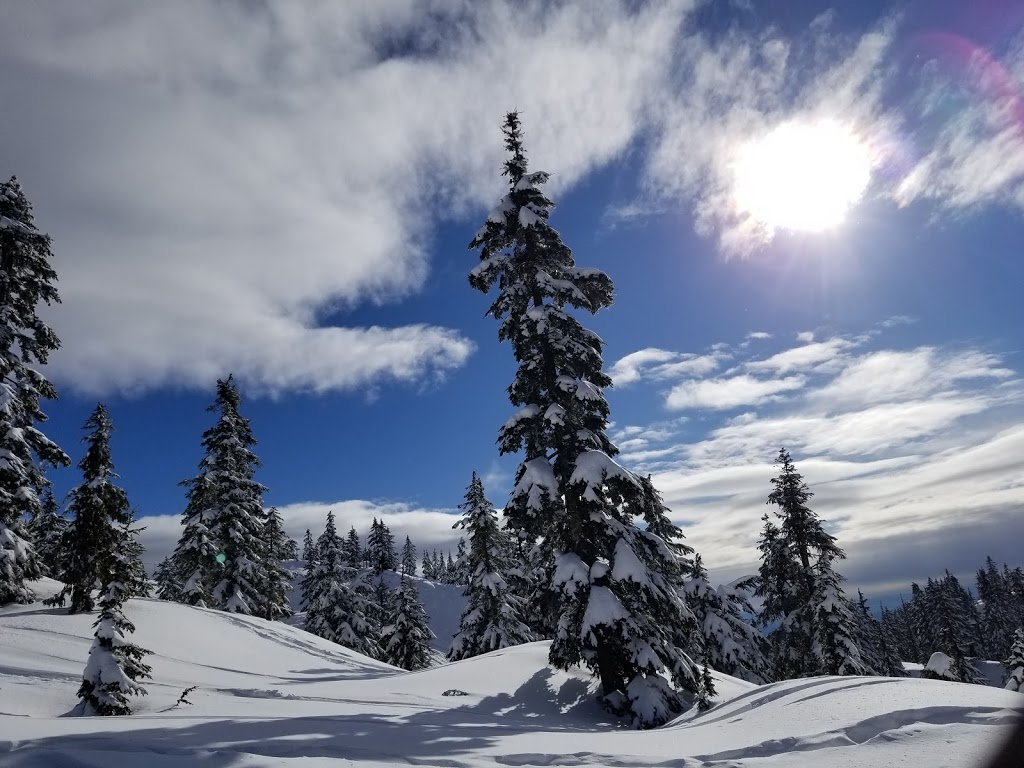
{"x": 270, "y": 694}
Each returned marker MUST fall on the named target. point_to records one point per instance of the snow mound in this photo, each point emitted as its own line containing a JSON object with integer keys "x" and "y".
{"x": 269, "y": 694}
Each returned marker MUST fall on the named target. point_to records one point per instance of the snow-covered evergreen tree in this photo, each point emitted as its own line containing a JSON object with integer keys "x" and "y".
{"x": 278, "y": 548}
{"x": 617, "y": 605}
{"x": 135, "y": 581}
{"x": 352, "y": 549}
{"x": 336, "y": 608}
{"x": 947, "y": 628}
{"x": 26, "y": 281}
{"x": 877, "y": 653}
{"x": 308, "y": 550}
{"x": 461, "y": 563}
{"x": 405, "y": 639}
{"x": 491, "y": 619}
{"x": 733, "y": 645}
{"x": 115, "y": 663}
{"x": 816, "y": 632}
{"x": 997, "y": 610}
{"x": 408, "y": 558}
{"x": 100, "y": 516}
{"x": 427, "y": 569}
{"x": 220, "y": 552}
{"x": 1015, "y": 663}
{"x": 167, "y": 585}
{"x": 380, "y": 548}
{"x": 45, "y": 532}
{"x": 310, "y": 559}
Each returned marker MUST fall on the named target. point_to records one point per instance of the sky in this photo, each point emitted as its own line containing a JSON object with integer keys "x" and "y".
{"x": 812, "y": 217}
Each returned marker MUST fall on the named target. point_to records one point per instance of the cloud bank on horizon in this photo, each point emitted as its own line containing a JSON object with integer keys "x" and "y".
{"x": 245, "y": 174}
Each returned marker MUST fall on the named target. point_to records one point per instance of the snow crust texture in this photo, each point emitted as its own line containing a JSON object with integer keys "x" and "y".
{"x": 269, "y": 694}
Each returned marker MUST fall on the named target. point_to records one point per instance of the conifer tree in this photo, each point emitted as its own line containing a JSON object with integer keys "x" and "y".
{"x": 997, "y": 612}
{"x": 278, "y": 548}
{"x": 352, "y": 548}
{"x": 101, "y": 515}
{"x": 336, "y": 609}
{"x": 428, "y": 566}
{"x": 26, "y": 281}
{"x": 876, "y": 652}
{"x": 617, "y": 603}
{"x": 1015, "y": 663}
{"x": 135, "y": 581}
{"x": 405, "y": 639}
{"x": 167, "y": 585}
{"x": 491, "y": 619}
{"x": 310, "y": 560}
{"x": 115, "y": 664}
{"x": 308, "y": 550}
{"x": 45, "y": 532}
{"x": 461, "y": 564}
{"x": 220, "y": 550}
{"x": 801, "y": 590}
{"x": 732, "y": 645}
{"x": 408, "y": 558}
{"x": 380, "y": 548}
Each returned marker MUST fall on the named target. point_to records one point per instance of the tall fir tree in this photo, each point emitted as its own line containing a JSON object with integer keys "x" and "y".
{"x": 352, "y": 548}
{"x": 277, "y": 549}
{"x": 428, "y": 567}
{"x": 310, "y": 559}
{"x": 219, "y": 555}
{"x": 1014, "y": 663}
{"x": 408, "y": 558}
{"x": 26, "y": 281}
{"x": 801, "y": 591}
{"x": 491, "y": 619}
{"x": 405, "y": 639}
{"x": 732, "y": 644}
{"x": 308, "y": 549}
{"x": 997, "y": 611}
{"x": 115, "y": 664}
{"x": 46, "y": 531}
{"x": 101, "y": 515}
{"x": 336, "y": 609}
{"x": 380, "y": 548}
{"x": 617, "y": 604}
{"x": 167, "y": 585}
{"x": 135, "y": 581}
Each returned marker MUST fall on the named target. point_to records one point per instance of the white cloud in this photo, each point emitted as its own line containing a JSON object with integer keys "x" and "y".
{"x": 660, "y": 364}
{"x": 811, "y": 356}
{"x": 806, "y": 336}
{"x": 220, "y": 180}
{"x": 759, "y": 335}
{"x": 629, "y": 369}
{"x": 728, "y": 392}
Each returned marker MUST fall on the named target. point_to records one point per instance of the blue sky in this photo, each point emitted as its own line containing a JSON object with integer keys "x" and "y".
{"x": 286, "y": 191}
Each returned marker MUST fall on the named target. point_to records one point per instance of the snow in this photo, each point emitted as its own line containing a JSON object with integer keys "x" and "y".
{"x": 271, "y": 695}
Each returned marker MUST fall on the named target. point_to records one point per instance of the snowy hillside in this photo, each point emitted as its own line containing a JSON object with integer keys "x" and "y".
{"x": 273, "y": 695}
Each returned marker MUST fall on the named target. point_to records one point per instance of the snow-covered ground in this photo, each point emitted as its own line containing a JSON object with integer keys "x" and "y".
{"x": 272, "y": 695}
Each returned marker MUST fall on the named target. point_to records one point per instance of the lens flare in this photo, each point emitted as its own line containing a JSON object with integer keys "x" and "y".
{"x": 802, "y": 176}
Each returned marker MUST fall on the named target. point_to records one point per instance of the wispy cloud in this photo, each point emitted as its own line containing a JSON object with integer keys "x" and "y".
{"x": 728, "y": 392}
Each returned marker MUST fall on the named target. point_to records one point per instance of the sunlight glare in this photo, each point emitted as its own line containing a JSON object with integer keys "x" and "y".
{"x": 802, "y": 176}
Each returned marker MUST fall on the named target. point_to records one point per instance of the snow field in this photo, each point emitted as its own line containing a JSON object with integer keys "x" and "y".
{"x": 270, "y": 694}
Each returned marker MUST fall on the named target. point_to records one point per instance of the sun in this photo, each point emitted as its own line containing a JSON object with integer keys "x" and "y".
{"x": 802, "y": 176}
